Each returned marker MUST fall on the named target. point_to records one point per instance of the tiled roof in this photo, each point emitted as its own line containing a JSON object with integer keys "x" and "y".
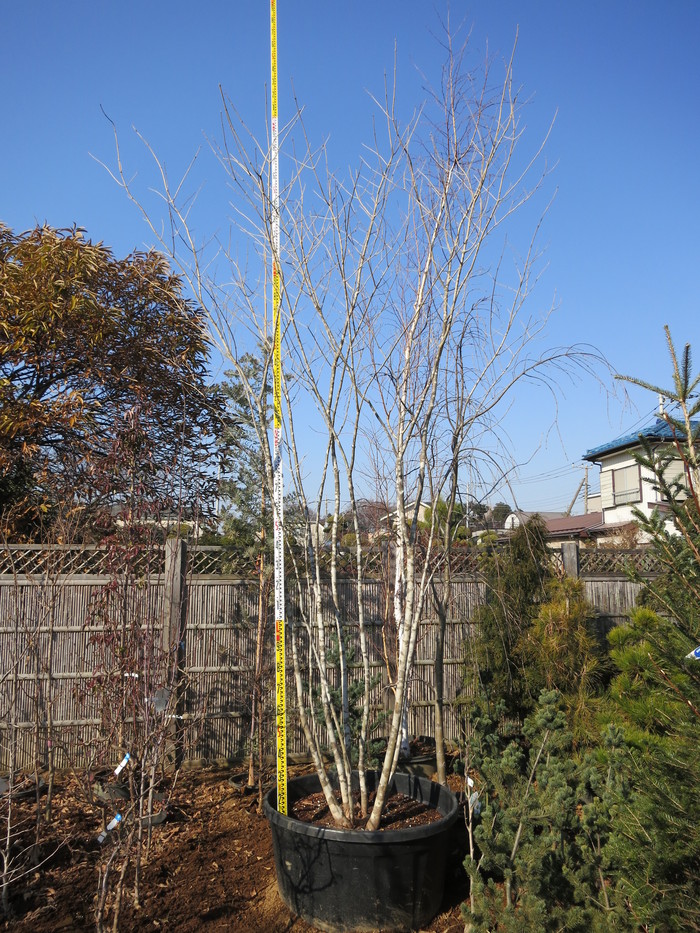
{"x": 574, "y": 524}
{"x": 659, "y": 431}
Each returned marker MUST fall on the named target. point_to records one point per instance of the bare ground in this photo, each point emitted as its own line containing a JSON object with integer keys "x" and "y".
{"x": 210, "y": 868}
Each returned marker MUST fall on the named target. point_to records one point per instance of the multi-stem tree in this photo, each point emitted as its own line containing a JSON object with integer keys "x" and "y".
{"x": 389, "y": 276}
{"x": 135, "y": 656}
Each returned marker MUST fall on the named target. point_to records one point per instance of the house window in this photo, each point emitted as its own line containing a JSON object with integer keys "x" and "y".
{"x": 627, "y": 485}
{"x": 674, "y": 473}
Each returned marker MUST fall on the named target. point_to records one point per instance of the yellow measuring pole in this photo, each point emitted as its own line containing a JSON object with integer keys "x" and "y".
{"x": 278, "y": 492}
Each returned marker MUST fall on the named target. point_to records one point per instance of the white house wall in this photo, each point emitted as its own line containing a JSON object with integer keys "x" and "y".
{"x": 623, "y": 512}
{"x": 650, "y": 499}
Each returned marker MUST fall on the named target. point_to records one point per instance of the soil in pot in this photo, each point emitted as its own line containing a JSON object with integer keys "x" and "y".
{"x": 400, "y": 811}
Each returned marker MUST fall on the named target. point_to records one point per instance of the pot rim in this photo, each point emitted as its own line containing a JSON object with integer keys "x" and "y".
{"x": 358, "y": 836}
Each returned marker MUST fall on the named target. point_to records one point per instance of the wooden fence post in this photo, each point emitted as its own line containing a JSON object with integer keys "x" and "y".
{"x": 174, "y": 629}
{"x": 570, "y": 558}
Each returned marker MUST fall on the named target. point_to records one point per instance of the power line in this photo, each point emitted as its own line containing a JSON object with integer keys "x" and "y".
{"x": 540, "y": 477}
{"x": 565, "y": 469}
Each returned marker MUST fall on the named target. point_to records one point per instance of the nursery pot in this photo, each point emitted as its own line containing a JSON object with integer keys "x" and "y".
{"x": 423, "y": 766}
{"x": 345, "y": 880}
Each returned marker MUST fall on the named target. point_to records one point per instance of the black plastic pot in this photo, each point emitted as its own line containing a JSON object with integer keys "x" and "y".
{"x": 423, "y": 766}
{"x": 351, "y": 880}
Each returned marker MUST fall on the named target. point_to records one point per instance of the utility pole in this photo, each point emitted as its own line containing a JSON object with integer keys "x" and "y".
{"x": 573, "y": 501}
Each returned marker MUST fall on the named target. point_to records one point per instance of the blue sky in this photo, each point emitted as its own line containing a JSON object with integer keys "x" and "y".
{"x": 620, "y": 79}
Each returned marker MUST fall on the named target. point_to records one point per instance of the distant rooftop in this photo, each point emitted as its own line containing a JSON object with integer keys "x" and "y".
{"x": 524, "y": 516}
{"x": 660, "y": 431}
{"x": 574, "y": 524}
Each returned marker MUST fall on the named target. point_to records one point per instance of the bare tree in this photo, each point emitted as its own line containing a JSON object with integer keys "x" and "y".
{"x": 394, "y": 279}
{"x": 28, "y": 690}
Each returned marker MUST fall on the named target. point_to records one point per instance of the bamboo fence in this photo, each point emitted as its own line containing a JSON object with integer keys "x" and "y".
{"x": 52, "y": 646}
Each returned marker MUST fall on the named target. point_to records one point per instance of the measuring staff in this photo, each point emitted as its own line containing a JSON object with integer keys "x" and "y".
{"x": 278, "y": 490}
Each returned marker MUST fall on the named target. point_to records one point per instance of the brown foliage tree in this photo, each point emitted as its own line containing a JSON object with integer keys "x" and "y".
{"x": 88, "y": 339}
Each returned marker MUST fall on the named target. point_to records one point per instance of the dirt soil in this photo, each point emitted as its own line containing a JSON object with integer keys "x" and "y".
{"x": 210, "y": 868}
{"x": 400, "y": 811}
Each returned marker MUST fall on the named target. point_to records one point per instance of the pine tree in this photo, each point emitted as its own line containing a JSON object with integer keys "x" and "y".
{"x": 562, "y": 651}
{"x": 516, "y": 578}
{"x": 541, "y": 863}
{"x": 656, "y": 838}
{"x": 246, "y": 517}
{"x": 656, "y": 693}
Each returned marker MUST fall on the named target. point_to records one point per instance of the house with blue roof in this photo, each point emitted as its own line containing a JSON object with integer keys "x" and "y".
{"x": 624, "y": 484}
